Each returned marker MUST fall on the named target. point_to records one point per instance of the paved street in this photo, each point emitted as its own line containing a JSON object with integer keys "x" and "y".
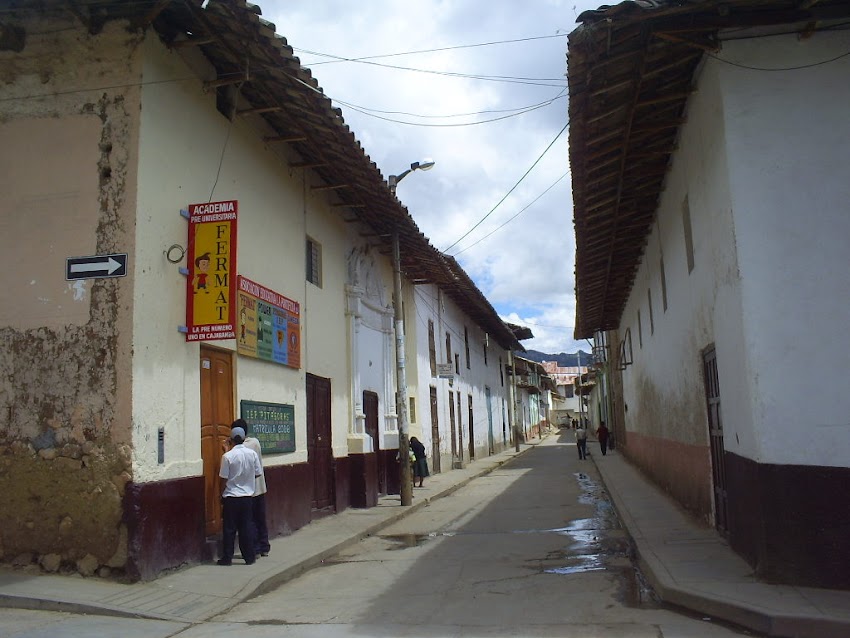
{"x": 531, "y": 549}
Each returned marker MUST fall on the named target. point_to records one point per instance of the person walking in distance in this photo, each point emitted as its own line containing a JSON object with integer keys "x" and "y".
{"x": 602, "y": 435}
{"x": 581, "y": 441}
{"x": 240, "y": 468}
{"x": 262, "y": 547}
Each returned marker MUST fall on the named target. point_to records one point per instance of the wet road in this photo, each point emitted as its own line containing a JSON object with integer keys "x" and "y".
{"x": 532, "y": 549}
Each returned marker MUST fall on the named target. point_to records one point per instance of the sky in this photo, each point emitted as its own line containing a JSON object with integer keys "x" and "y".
{"x": 478, "y": 86}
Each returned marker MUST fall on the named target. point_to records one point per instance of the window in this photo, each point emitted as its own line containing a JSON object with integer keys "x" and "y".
{"x": 689, "y": 238}
{"x": 501, "y": 372}
{"x": 412, "y": 412}
{"x": 466, "y": 345}
{"x": 640, "y": 332}
{"x": 432, "y": 348}
{"x": 663, "y": 286}
{"x": 457, "y": 364}
{"x": 314, "y": 262}
{"x": 448, "y": 347}
{"x": 485, "y": 351}
{"x": 651, "y": 320}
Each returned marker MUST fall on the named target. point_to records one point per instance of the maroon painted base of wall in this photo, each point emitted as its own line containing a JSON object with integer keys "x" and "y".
{"x": 682, "y": 470}
{"x": 289, "y": 498}
{"x": 364, "y": 479}
{"x": 393, "y": 471}
{"x": 342, "y": 483}
{"x": 165, "y": 525}
{"x": 791, "y": 522}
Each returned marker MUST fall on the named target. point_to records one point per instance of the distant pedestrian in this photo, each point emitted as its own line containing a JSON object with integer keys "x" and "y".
{"x": 602, "y": 435}
{"x": 262, "y": 547}
{"x": 420, "y": 463}
{"x": 581, "y": 442}
{"x": 240, "y": 468}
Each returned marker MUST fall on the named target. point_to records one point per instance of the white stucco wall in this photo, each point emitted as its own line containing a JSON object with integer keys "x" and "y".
{"x": 182, "y": 139}
{"x": 763, "y": 167}
{"x": 427, "y": 303}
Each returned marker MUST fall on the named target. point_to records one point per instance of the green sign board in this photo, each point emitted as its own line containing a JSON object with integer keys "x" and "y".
{"x": 272, "y": 424}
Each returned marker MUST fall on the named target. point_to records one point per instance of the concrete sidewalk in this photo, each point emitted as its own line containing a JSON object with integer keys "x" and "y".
{"x": 692, "y": 566}
{"x": 688, "y": 564}
{"x": 198, "y": 593}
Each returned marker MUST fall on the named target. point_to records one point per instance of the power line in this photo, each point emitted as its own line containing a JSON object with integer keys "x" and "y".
{"x": 525, "y": 208}
{"x": 513, "y": 188}
{"x": 338, "y": 59}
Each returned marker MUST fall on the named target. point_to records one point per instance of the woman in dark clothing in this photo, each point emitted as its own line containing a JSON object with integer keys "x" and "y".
{"x": 420, "y": 464}
{"x": 602, "y": 435}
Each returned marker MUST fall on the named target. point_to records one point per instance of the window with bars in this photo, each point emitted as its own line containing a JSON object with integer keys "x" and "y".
{"x": 314, "y": 262}
{"x": 432, "y": 348}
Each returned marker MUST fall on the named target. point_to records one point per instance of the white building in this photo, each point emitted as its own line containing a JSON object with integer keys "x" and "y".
{"x": 710, "y": 174}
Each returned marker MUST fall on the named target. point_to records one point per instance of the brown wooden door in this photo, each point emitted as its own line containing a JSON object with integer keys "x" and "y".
{"x": 452, "y": 425}
{"x": 459, "y": 429}
{"x": 319, "y": 450}
{"x": 715, "y": 431}
{"x": 471, "y": 430}
{"x": 370, "y": 409}
{"x": 217, "y": 410}
{"x": 435, "y": 433}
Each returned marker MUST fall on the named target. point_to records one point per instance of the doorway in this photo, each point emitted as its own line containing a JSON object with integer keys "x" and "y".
{"x": 217, "y": 411}
{"x": 319, "y": 450}
{"x": 370, "y": 409}
{"x": 435, "y": 433}
{"x": 718, "y": 452}
{"x": 471, "y": 429}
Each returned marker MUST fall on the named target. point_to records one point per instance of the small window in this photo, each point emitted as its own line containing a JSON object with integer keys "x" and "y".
{"x": 651, "y": 319}
{"x": 663, "y": 286}
{"x": 448, "y": 347}
{"x": 314, "y": 263}
{"x": 485, "y": 352}
{"x": 689, "y": 238}
{"x": 432, "y": 348}
{"x": 412, "y": 412}
{"x": 501, "y": 372}
{"x": 457, "y": 364}
{"x": 466, "y": 345}
{"x": 640, "y": 332}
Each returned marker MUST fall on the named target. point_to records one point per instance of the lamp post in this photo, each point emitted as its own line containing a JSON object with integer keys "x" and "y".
{"x": 406, "y": 489}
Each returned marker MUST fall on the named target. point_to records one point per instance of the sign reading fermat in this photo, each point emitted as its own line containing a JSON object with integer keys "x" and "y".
{"x": 210, "y": 286}
{"x": 269, "y": 325}
{"x": 272, "y": 424}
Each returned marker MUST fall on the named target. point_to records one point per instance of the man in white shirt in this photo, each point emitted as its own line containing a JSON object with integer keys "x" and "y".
{"x": 581, "y": 441}
{"x": 258, "y": 503}
{"x": 240, "y": 468}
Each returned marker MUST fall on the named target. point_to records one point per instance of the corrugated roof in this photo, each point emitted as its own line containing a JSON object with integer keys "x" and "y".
{"x": 630, "y": 72}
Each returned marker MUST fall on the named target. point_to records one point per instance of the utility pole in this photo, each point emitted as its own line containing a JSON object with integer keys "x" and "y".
{"x": 406, "y": 490}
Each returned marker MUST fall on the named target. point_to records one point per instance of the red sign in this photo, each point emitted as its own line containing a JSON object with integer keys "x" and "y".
{"x": 211, "y": 285}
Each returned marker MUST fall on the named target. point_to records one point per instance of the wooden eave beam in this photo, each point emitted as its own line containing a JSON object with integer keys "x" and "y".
{"x": 285, "y": 138}
{"x": 192, "y": 42}
{"x": 329, "y": 187}
{"x": 308, "y": 164}
{"x": 259, "y": 109}
{"x": 236, "y": 79}
{"x": 344, "y": 205}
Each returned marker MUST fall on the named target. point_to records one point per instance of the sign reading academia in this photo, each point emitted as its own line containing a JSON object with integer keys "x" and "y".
{"x": 269, "y": 325}
{"x": 210, "y": 286}
{"x": 272, "y": 424}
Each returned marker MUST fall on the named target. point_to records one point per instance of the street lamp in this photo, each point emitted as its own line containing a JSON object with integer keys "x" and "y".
{"x": 406, "y": 489}
{"x": 424, "y": 165}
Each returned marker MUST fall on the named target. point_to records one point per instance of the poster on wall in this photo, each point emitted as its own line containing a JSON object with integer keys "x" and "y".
{"x": 272, "y": 424}
{"x": 210, "y": 289}
{"x": 269, "y": 325}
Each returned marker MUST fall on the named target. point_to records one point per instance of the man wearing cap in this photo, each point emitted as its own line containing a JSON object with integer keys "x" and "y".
{"x": 262, "y": 547}
{"x": 240, "y": 468}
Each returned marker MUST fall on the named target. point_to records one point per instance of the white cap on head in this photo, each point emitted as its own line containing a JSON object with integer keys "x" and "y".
{"x": 237, "y": 432}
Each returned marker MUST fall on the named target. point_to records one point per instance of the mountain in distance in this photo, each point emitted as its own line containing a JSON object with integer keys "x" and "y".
{"x": 564, "y": 359}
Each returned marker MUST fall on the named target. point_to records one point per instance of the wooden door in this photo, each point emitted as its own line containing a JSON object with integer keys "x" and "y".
{"x": 471, "y": 429}
{"x": 319, "y": 450}
{"x": 370, "y": 409}
{"x": 490, "y": 441}
{"x": 715, "y": 431}
{"x": 435, "y": 433}
{"x": 217, "y": 410}
{"x": 452, "y": 425}
{"x": 459, "y": 429}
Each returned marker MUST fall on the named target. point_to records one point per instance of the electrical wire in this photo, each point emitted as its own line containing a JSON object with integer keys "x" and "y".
{"x": 338, "y": 59}
{"x": 509, "y": 220}
{"x": 787, "y": 68}
{"x": 513, "y": 188}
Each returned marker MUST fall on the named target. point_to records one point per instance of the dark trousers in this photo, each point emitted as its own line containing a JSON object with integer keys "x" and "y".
{"x": 261, "y": 540}
{"x": 238, "y": 518}
{"x": 603, "y": 443}
{"x": 581, "y": 444}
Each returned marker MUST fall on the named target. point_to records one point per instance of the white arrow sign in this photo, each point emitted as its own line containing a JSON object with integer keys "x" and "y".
{"x": 96, "y": 266}
{"x": 110, "y": 266}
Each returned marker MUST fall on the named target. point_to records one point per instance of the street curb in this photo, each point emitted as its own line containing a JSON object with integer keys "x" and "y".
{"x": 779, "y": 626}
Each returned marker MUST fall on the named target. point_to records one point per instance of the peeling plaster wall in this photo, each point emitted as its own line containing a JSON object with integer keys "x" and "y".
{"x": 68, "y": 175}
{"x": 663, "y": 390}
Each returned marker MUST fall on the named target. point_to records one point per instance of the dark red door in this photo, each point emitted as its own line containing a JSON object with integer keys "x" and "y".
{"x": 319, "y": 451}
{"x": 435, "y": 433}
